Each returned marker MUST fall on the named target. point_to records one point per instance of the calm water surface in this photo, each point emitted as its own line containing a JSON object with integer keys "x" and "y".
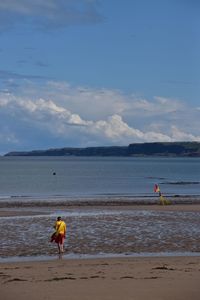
{"x": 82, "y": 176}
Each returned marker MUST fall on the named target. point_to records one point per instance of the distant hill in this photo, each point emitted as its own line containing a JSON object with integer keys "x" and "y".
{"x": 189, "y": 149}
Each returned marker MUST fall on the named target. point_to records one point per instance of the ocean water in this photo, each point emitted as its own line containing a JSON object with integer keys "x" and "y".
{"x": 97, "y": 176}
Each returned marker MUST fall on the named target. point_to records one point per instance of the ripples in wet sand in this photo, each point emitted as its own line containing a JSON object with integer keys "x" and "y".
{"x": 94, "y": 231}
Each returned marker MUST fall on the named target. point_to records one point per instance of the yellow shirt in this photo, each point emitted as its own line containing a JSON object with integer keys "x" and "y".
{"x": 60, "y": 227}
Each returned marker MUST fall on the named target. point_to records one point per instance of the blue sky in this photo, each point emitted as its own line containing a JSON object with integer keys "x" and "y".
{"x": 92, "y": 72}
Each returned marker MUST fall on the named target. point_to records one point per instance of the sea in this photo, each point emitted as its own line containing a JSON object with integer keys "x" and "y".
{"x": 35, "y": 190}
{"x": 97, "y": 176}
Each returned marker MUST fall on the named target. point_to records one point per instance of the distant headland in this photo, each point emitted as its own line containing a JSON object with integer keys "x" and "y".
{"x": 171, "y": 149}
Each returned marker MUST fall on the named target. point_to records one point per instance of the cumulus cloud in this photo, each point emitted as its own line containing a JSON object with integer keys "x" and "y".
{"x": 49, "y": 14}
{"x": 116, "y": 130}
{"x": 178, "y": 134}
{"x": 160, "y": 106}
{"x": 79, "y": 116}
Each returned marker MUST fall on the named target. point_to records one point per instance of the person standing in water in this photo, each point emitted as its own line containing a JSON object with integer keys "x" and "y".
{"x": 60, "y": 234}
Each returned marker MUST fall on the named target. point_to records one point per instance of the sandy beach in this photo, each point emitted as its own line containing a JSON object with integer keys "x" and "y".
{"x": 158, "y": 278}
{"x": 143, "y": 228}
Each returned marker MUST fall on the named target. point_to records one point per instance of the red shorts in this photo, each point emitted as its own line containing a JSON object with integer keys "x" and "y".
{"x": 59, "y": 239}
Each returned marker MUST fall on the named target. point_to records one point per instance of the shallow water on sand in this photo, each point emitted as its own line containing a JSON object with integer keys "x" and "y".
{"x": 93, "y": 231}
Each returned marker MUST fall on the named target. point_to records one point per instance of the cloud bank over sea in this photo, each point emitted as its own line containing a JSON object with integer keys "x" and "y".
{"x": 56, "y": 114}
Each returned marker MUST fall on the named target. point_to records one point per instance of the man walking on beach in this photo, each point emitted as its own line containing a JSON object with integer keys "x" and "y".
{"x": 60, "y": 234}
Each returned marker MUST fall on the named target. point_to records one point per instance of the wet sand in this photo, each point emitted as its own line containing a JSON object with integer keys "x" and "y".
{"x": 123, "y": 230}
{"x": 159, "y": 278}
{"x": 95, "y": 229}
{"x": 19, "y": 210}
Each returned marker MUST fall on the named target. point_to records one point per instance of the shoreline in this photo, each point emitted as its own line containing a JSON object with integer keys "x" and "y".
{"x": 94, "y": 201}
{"x": 17, "y": 209}
{"x": 73, "y": 256}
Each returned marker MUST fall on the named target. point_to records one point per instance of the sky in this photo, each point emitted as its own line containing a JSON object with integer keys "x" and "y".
{"x": 80, "y": 73}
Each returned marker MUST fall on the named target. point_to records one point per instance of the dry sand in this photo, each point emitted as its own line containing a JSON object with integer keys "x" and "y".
{"x": 152, "y": 278}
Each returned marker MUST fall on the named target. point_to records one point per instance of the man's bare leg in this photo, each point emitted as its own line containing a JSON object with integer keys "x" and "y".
{"x": 61, "y": 248}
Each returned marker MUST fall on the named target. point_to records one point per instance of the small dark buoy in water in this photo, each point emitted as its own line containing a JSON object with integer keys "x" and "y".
{"x": 54, "y": 173}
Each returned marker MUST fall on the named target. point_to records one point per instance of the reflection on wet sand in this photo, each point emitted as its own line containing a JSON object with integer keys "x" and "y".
{"x": 97, "y": 230}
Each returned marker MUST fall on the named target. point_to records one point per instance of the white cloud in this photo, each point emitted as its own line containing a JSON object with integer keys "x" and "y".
{"x": 83, "y": 116}
{"x": 179, "y": 135}
{"x": 119, "y": 131}
{"x": 87, "y": 102}
{"x": 159, "y": 106}
{"x": 48, "y": 14}
{"x": 8, "y": 137}
{"x": 3, "y": 102}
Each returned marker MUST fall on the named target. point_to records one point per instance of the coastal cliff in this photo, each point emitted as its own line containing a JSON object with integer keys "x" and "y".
{"x": 188, "y": 149}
